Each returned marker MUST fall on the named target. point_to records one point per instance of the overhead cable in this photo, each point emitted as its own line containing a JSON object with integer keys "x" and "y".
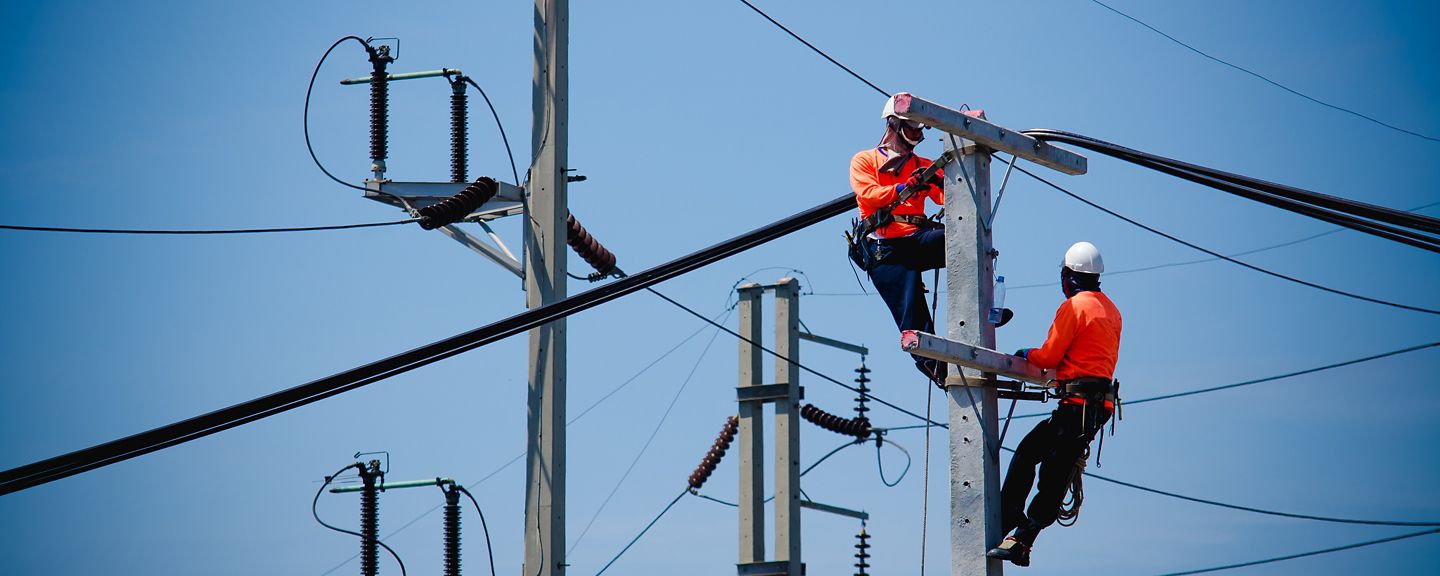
{"x": 202, "y": 231}
{"x": 1369, "y": 218}
{"x": 1265, "y": 379}
{"x": 107, "y": 453}
{"x": 1304, "y": 554}
{"x": 817, "y": 50}
{"x": 1267, "y": 79}
{"x": 1224, "y": 257}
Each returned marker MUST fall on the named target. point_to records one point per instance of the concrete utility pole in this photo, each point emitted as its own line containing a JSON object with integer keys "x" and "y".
{"x": 970, "y": 270}
{"x": 545, "y": 283}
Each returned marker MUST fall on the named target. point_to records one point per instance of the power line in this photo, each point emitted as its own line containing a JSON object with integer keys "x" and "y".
{"x": 797, "y": 363}
{"x": 1261, "y": 510}
{"x": 643, "y": 531}
{"x": 1224, "y": 257}
{"x": 1266, "y": 79}
{"x": 517, "y": 457}
{"x": 1397, "y": 225}
{"x": 646, "y": 446}
{"x": 122, "y": 449}
{"x": 193, "y": 231}
{"x": 1304, "y": 554}
{"x": 817, "y": 50}
{"x": 1265, "y": 379}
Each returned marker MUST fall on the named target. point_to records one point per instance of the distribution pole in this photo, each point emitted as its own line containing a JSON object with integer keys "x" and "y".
{"x": 974, "y": 460}
{"x": 545, "y": 277}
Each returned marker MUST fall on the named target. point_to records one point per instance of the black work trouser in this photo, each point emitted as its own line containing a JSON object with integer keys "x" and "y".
{"x": 1054, "y": 445}
{"x": 896, "y": 276}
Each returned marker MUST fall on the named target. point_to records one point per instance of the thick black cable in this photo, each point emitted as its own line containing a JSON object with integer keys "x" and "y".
{"x": 314, "y": 511}
{"x": 511, "y": 155}
{"x": 187, "y": 232}
{"x": 1267, "y": 79}
{"x": 812, "y": 47}
{"x": 1304, "y": 554}
{"x": 107, "y": 453}
{"x": 1224, "y": 257}
{"x": 517, "y": 457}
{"x": 797, "y": 364}
{"x": 483, "y": 526}
{"x": 1265, "y": 379}
{"x": 1252, "y": 188}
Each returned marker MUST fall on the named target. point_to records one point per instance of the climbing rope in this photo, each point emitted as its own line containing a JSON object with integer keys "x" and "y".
{"x": 1070, "y": 508}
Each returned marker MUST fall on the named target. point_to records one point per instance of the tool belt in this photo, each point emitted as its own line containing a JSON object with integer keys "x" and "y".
{"x": 913, "y": 220}
{"x": 1090, "y": 386}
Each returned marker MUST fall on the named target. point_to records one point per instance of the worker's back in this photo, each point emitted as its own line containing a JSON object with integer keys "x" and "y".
{"x": 1084, "y": 340}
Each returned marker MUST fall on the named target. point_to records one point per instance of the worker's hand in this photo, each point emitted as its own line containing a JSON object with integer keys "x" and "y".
{"x": 914, "y": 184}
{"x": 1023, "y": 352}
{"x": 935, "y": 179}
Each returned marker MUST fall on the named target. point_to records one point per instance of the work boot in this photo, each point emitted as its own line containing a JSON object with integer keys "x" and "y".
{"x": 1013, "y": 550}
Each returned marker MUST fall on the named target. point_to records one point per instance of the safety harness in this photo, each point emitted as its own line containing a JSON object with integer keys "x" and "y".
{"x": 861, "y": 228}
{"x": 1084, "y": 391}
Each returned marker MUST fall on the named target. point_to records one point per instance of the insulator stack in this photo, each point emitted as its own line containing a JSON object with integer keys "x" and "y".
{"x": 454, "y": 208}
{"x": 452, "y": 531}
{"x": 857, "y": 427}
{"x": 379, "y": 108}
{"x": 459, "y": 130}
{"x": 717, "y": 452}
{"x": 861, "y": 381}
{"x": 863, "y": 553}
{"x": 370, "y": 520}
{"x": 588, "y": 248}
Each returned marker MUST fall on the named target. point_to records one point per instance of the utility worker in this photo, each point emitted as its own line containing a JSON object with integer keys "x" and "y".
{"x": 895, "y": 244}
{"x": 1082, "y": 347}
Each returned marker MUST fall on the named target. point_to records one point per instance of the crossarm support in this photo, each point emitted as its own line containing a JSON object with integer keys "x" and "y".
{"x": 989, "y": 135}
{"x": 983, "y": 359}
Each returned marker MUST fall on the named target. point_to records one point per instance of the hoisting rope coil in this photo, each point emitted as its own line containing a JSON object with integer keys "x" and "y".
{"x": 857, "y": 427}
{"x": 457, "y": 207}
{"x": 716, "y": 453}
{"x": 1070, "y": 508}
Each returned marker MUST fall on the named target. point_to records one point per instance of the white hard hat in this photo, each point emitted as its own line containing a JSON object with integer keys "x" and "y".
{"x": 1084, "y": 257}
{"x": 889, "y": 109}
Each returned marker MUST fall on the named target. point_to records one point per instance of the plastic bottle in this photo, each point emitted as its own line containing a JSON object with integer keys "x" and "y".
{"x": 997, "y": 311}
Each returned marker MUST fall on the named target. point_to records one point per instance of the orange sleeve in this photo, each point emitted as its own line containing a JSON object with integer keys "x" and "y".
{"x": 1062, "y": 333}
{"x": 865, "y": 180}
{"x": 937, "y": 193}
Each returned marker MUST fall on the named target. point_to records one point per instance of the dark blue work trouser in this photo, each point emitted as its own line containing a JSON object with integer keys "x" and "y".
{"x": 896, "y": 276}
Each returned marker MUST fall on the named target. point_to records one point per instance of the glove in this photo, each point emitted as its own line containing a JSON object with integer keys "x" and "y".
{"x": 914, "y": 185}
{"x": 1023, "y": 353}
{"x": 936, "y": 179}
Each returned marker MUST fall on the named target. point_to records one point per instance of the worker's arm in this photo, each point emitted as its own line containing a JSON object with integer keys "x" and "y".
{"x": 937, "y": 192}
{"x": 1062, "y": 333}
{"x": 865, "y": 180}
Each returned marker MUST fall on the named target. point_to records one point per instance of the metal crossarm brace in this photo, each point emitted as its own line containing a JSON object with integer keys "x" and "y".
{"x": 989, "y": 135}
{"x": 982, "y": 359}
{"x": 813, "y": 505}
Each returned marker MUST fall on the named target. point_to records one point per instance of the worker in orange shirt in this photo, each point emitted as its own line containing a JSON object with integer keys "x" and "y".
{"x": 1082, "y": 348}
{"x": 894, "y": 242}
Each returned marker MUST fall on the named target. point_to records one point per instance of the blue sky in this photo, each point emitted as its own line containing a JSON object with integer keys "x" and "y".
{"x": 693, "y": 122}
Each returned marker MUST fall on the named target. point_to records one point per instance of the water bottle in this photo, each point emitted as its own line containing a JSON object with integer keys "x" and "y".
{"x": 997, "y": 310}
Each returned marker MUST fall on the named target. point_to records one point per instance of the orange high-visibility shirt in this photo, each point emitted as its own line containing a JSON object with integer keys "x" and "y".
{"x": 1084, "y": 340}
{"x": 875, "y": 190}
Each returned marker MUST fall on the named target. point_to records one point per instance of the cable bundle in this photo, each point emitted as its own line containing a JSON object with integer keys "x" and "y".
{"x": 857, "y": 427}
{"x": 454, "y": 208}
{"x": 589, "y": 249}
{"x": 717, "y": 452}
{"x": 1397, "y": 225}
